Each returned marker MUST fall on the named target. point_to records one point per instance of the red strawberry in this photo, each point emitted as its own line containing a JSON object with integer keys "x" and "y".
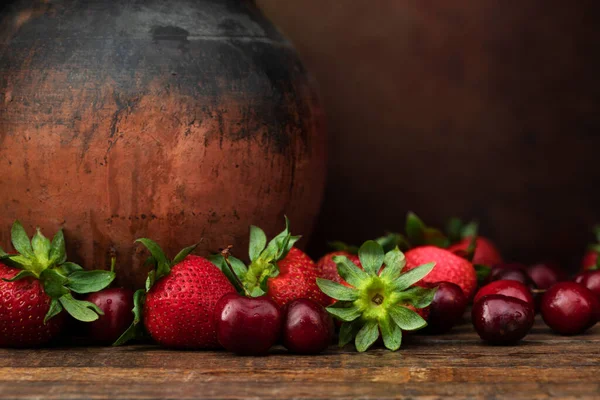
{"x": 23, "y": 306}
{"x": 328, "y": 268}
{"x": 36, "y": 284}
{"x": 297, "y": 279}
{"x": 486, "y": 252}
{"x": 449, "y": 267}
{"x": 179, "y": 300}
{"x": 590, "y": 261}
{"x": 380, "y": 298}
{"x": 179, "y": 307}
{"x": 277, "y": 269}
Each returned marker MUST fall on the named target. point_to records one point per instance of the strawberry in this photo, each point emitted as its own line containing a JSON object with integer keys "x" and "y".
{"x": 25, "y": 298}
{"x": 328, "y": 268}
{"x": 379, "y": 299}
{"x": 485, "y": 253}
{"x": 591, "y": 261}
{"x": 179, "y": 300}
{"x": 277, "y": 269}
{"x": 449, "y": 267}
{"x": 37, "y": 284}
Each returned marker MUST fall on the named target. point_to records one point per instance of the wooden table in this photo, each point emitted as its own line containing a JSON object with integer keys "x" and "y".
{"x": 456, "y": 365}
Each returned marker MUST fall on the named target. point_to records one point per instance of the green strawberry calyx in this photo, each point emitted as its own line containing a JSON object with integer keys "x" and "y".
{"x": 252, "y": 279}
{"x": 419, "y": 234}
{"x": 377, "y": 299}
{"x": 46, "y": 261}
{"x": 161, "y": 267}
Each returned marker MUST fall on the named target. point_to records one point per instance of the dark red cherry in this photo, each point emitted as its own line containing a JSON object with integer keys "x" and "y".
{"x": 501, "y": 319}
{"x": 591, "y": 280}
{"x": 569, "y": 308}
{"x": 308, "y": 328}
{"x": 546, "y": 274}
{"x": 247, "y": 325}
{"x": 515, "y": 272}
{"x": 506, "y": 288}
{"x": 447, "y": 308}
{"x": 117, "y": 305}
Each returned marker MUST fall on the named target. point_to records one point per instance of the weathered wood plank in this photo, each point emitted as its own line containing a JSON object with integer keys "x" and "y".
{"x": 456, "y": 365}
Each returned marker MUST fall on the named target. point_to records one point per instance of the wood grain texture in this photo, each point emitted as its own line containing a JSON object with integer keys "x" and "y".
{"x": 456, "y": 365}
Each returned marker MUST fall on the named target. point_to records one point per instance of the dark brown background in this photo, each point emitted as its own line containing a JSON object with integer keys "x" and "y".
{"x": 484, "y": 109}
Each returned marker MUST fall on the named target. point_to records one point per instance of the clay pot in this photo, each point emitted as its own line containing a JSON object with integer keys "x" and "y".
{"x": 175, "y": 120}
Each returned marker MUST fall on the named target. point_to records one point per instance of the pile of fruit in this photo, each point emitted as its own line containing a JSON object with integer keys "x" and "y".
{"x": 424, "y": 279}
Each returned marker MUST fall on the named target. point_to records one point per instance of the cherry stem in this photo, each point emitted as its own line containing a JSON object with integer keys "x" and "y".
{"x": 538, "y": 291}
{"x": 113, "y": 262}
{"x": 225, "y": 253}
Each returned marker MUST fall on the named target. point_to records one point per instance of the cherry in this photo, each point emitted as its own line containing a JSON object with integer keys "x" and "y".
{"x": 117, "y": 305}
{"x": 247, "y": 325}
{"x": 506, "y": 288}
{"x": 514, "y": 272}
{"x": 308, "y": 328}
{"x": 569, "y": 308}
{"x": 546, "y": 274}
{"x": 591, "y": 280}
{"x": 501, "y": 319}
{"x": 447, "y": 308}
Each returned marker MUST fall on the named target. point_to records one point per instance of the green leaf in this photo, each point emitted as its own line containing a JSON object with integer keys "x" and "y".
{"x": 20, "y": 240}
{"x": 22, "y": 274}
{"x": 349, "y": 271}
{"x": 58, "y": 253}
{"x": 413, "y": 276}
{"x": 391, "y": 333}
{"x": 347, "y": 313}
{"x": 371, "y": 256}
{"x": 150, "y": 279}
{"x": 55, "y": 309}
{"x": 154, "y": 249}
{"x": 68, "y": 268}
{"x": 470, "y": 229}
{"x": 415, "y": 229}
{"x": 41, "y": 247}
{"x": 348, "y": 331}
{"x": 337, "y": 291}
{"x": 419, "y": 297}
{"x": 53, "y": 282}
{"x": 406, "y": 319}
{"x": 258, "y": 242}
{"x": 80, "y": 310}
{"x": 89, "y": 281}
{"x": 435, "y": 237}
{"x": 392, "y": 240}
{"x": 454, "y": 229}
{"x": 16, "y": 261}
{"x": 20, "y": 261}
{"x": 3, "y": 253}
{"x": 366, "y": 336}
{"x": 257, "y": 292}
{"x": 394, "y": 263}
{"x": 163, "y": 266}
{"x": 482, "y": 271}
{"x": 280, "y": 245}
{"x": 341, "y": 246}
{"x": 136, "y": 329}
{"x": 183, "y": 254}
